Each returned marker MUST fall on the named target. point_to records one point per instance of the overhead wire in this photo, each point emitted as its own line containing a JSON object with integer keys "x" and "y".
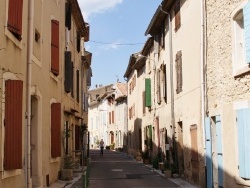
{"x": 114, "y": 43}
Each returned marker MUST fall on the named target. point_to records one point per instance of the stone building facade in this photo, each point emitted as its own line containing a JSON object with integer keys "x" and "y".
{"x": 227, "y": 93}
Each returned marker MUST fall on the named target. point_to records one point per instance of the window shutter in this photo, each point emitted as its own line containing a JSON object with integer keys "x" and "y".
{"x": 55, "y": 130}
{"x": 178, "y": 67}
{"x": 68, "y": 66}
{"x": 72, "y": 79}
{"x": 246, "y": 13}
{"x": 68, "y": 10}
{"x": 143, "y": 102}
{"x": 77, "y": 85}
{"x": 15, "y": 15}
{"x": 109, "y": 117}
{"x": 55, "y": 47}
{"x": 164, "y": 83}
{"x": 177, "y": 15}
{"x": 194, "y": 144}
{"x": 13, "y": 124}
{"x": 78, "y": 42}
{"x": 113, "y": 117}
{"x": 156, "y": 44}
{"x": 77, "y": 137}
{"x": 158, "y": 92}
{"x": 148, "y": 92}
{"x": 243, "y": 122}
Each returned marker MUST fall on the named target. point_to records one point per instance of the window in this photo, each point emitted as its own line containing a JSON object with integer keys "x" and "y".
{"x": 113, "y": 117}
{"x": 164, "y": 82}
{"x": 78, "y": 41}
{"x": 178, "y": 67}
{"x": 72, "y": 80}
{"x": 77, "y": 137}
{"x": 241, "y": 38}
{"x": 15, "y": 15}
{"x": 55, "y": 47}
{"x": 177, "y": 15}
{"x": 55, "y": 130}
{"x": 243, "y": 122}
{"x": 148, "y": 92}
{"x": 13, "y": 126}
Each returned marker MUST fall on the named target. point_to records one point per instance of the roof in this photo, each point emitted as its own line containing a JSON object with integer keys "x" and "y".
{"x": 122, "y": 87}
{"x": 86, "y": 59}
{"x": 159, "y": 16}
{"x": 132, "y": 61}
{"x": 100, "y": 92}
{"x": 82, "y": 26}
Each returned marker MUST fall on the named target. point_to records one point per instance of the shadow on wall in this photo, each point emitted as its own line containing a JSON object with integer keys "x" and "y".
{"x": 184, "y": 162}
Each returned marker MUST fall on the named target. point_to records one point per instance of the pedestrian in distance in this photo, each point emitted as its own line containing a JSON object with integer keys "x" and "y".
{"x": 101, "y": 146}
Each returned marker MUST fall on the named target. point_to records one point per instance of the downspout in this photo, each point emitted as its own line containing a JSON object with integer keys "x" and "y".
{"x": 171, "y": 82}
{"x": 28, "y": 102}
{"x": 202, "y": 72}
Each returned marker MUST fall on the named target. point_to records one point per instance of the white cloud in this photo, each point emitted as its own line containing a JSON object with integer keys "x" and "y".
{"x": 90, "y": 7}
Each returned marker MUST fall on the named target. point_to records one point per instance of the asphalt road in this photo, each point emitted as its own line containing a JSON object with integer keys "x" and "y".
{"x": 117, "y": 170}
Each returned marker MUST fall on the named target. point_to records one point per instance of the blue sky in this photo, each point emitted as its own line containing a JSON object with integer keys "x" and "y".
{"x": 115, "y": 22}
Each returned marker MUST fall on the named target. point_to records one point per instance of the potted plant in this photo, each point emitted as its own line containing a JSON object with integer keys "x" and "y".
{"x": 68, "y": 166}
{"x": 146, "y": 157}
{"x": 167, "y": 169}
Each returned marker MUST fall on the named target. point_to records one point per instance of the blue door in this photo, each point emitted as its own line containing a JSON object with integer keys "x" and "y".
{"x": 219, "y": 150}
{"x": 209, "y": 163}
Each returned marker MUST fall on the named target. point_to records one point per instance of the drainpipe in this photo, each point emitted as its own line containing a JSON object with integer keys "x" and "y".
{"x": 202, "y": 72}
{"x": 171, "y": 82}
{"x": 28, "y": 102}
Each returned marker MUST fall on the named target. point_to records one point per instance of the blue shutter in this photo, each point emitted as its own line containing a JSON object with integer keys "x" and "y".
{"x": 209, "y": 163}
{"x": 243, "y": 123}
{"x": 246, "y": 13}
{"x": 219, "y": 150}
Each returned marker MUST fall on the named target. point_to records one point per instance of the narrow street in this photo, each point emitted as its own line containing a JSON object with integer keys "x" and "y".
{"x": 115, "y": 169}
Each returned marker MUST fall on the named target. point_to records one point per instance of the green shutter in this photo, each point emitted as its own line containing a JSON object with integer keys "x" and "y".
{"x": 148, "y": 92}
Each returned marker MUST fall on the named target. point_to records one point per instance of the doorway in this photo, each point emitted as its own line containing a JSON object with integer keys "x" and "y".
{"x": 180, "y": 155}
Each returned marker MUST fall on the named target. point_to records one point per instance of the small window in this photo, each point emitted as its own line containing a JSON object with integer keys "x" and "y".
{"x": 241, "y": 36}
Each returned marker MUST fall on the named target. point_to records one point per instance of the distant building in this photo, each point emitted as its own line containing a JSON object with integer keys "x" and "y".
{"x": 107, "y": 115}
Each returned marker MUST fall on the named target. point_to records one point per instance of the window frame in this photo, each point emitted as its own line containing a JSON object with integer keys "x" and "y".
{"x": 239, "y": 68}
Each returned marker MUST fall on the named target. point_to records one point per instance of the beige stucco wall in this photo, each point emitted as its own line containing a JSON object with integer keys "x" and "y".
{"x": 225, "y": 93}
{"x": 11, "y": 67}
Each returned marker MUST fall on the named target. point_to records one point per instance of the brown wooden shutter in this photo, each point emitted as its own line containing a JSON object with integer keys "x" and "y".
{"x": 15, "y": 15}
{"x": 68, "y": 10}
{"x": 177, "y": 15}
{"x": 55, "y": 47}
{"x": 109, "y": 117}
{"x": 77, "y": 137}
{"x": 77, "y": 86}
{"x": 13, "y": 124}
{"x": 78, "y": 41}
{"x": 55, "y": 130}
{"x": 68, "y": 69}
{"x": 178, "y": 67}
{"x": 194, "y": 144}
{"x": 113, "y": 117}
{"x": 143, "y": 102}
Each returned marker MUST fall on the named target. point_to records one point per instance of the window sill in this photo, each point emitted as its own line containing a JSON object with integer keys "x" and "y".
{"x": 18, "y": 43}
{"x": 241, "y": 181}
{"x": 54, "y": 160}
{"x": 11, "y": 173}
{"x": 242, "y": 71}
{"x": 54, "y": 77}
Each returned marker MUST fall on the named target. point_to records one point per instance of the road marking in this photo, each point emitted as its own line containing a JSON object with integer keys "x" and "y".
{"x": 117, "y": 170}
